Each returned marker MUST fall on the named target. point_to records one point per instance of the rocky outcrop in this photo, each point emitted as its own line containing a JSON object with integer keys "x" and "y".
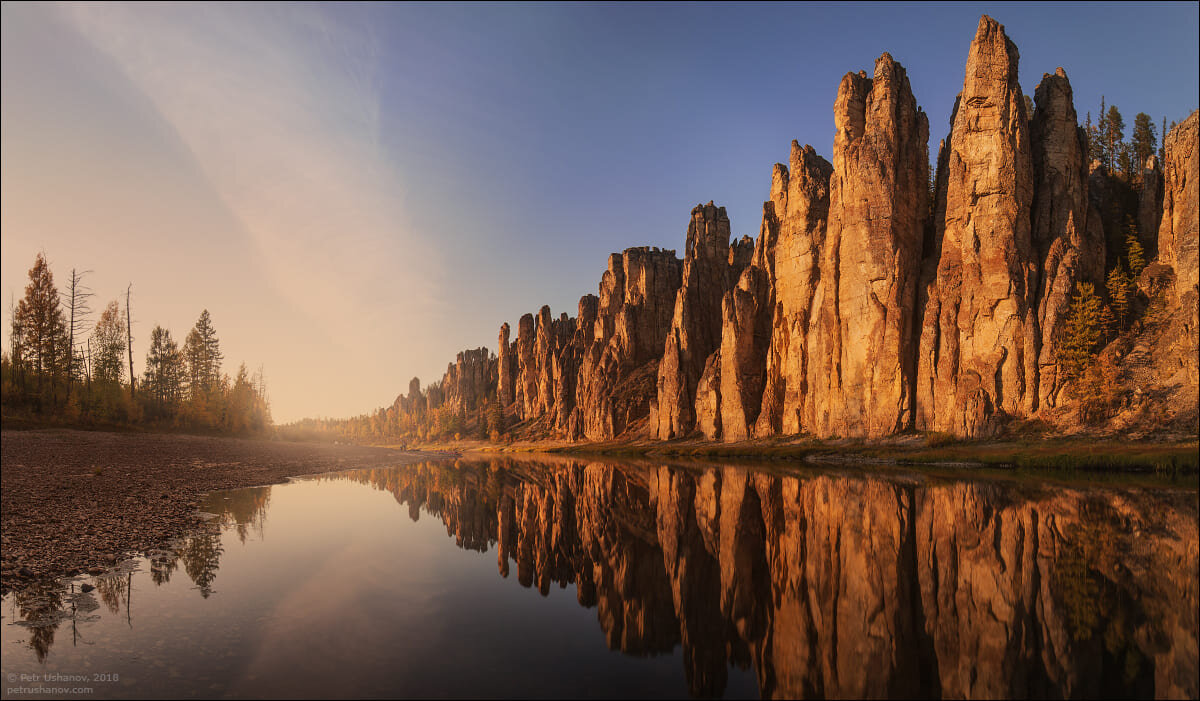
{"x": 800, "y": 200}
{"x": 1179, "y": 232}
{"x": 506, "y": 369}
{"x": 1150, "y": 205}
{"x": 864, "y": 308}
{"x": 861, "y": 338}
{"x": 1070, "y": 251}
{"x": 633, "y": 316}
{"x": 708, "y": 264}
{"x": 470, "y": 380}
{"x": 527, "y": 375}
{"x": 978, "y": 360}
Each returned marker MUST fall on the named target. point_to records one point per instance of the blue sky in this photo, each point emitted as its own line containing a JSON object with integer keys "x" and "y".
{"x": 357, "y": 192}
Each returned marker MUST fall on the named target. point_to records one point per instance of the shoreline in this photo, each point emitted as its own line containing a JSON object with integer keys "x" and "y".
{"x": 79, "y": 502}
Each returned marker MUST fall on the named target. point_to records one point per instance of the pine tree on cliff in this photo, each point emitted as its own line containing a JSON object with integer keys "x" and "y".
{"x": 1134, "y": 252}
{"x": 1118, "y": 294}
{"x": 1144, "y": 141}
{"x": 1115, "y": 133}
{"x": 1082, "y": 331}
{"x": 1102, "y": 153}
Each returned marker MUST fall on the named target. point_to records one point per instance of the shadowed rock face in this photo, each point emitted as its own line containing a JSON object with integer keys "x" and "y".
{"x": 980, "y": 360}
{"x": 847, "y": 585}
{"x": 506, "y": 369}
{"x": 1069, "y": 250}
{"x": 635, "y": 305}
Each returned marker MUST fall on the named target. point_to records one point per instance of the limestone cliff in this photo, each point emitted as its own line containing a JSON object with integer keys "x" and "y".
{"x": 861, "y": 338}
{"x": 979, "y": 359}
{"x": 695, "y": 331}
{"x": 1068, "y": 250}
{"x": 869, "y": 305}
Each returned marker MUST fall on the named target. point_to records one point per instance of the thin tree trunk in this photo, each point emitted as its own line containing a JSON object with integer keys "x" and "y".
{"x": 129, "y": 338}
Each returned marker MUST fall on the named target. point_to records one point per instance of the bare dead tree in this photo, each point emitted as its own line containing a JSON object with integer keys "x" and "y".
{"x": 129, "y": 338}
{"x": 76, "y": 298}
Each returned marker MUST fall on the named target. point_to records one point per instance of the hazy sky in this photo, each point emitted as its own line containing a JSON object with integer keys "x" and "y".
{"x": 357, "y": 192}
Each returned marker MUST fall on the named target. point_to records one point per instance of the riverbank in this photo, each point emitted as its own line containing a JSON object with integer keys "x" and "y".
{"x": 1097, "y": 455}
{"x": 81, "y": 501}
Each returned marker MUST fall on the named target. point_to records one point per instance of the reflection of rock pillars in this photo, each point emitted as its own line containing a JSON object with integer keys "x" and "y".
{"x": 935, "y": 590}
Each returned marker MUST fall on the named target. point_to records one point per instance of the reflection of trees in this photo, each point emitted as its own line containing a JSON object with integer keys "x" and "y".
{"x": 201, "y": 555}
{"x": 40, "y": 606}
{"x": 840, "y": 586}
{"x": 245, "y": 510}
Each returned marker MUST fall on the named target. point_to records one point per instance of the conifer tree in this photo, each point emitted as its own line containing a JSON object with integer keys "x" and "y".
{"x": 1083, "y": 327}
{"x": 1134, "y": 252}
{"x": 1144, "y": 141}
{"x": 1115, "y": 134}
{"x": 1118, "y": 295}
{"x": 40, "y": 327}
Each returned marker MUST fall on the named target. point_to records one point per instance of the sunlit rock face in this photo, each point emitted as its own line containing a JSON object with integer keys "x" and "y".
{"x": 470, "y": 379}
{"x": 978, "y": 360}
{"x": 861, "y": 337}
{"x": 848, "y": 585}
{"x": 623, "y": 343}
{"x": 710, "y": 267}
{"x": 1068, "y": 249}
{"x": 1179, "y": 232}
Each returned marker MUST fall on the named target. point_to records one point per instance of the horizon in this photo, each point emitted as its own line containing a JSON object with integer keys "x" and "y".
{"x": 285, "y": 154}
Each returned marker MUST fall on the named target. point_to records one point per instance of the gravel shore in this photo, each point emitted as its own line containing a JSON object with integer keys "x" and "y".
{"x": 80, "y": 501}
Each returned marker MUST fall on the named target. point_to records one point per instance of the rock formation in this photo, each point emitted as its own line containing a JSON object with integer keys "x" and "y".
{"x": 696, "y": 322}
{"x": 1069, "y": 251}
{"x": 1150, "y": 205}
{"x": 865, "y": 309}
{"x": 1179, "y": 232}
{"x": 861, "y": 338}
{"x": 620, "y": 360}
{"x": 506, "y": 369}
{"x": 978, "y": 361}
{"x": 800, "y": 199}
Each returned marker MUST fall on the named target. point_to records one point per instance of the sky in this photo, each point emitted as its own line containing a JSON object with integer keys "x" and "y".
{"x": 356, "y": 192}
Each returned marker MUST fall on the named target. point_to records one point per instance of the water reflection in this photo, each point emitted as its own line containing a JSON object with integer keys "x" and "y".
{"x": 846, "y": 585}
{"x": 823, "y": 585}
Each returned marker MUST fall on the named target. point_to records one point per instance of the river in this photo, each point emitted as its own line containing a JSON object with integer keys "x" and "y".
{"x": 556, "y": 577}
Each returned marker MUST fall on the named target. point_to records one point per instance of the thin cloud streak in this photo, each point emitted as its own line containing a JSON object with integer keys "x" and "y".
{"x": 280, "y": 107}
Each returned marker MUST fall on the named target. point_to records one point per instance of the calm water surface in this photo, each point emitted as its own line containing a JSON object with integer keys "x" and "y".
{"x": 576, "y": 578}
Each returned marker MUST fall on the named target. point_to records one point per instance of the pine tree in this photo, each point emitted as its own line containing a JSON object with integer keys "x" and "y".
{"x": 163, "y": 380}
{"x": 1118, "y": 295}
{"x": 202, "y": 354}
{"x": 1144, "y": 141}
{"x": 1134, "y": 252}
{"x": 1102, "y": 153}
{"x": 40, "y": 329}
{"x": 1082, "y": 331}
{"x": 1115, "y": 133}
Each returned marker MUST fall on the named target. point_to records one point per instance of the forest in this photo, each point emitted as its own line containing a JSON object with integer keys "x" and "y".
{"x": 64, "y": 369}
